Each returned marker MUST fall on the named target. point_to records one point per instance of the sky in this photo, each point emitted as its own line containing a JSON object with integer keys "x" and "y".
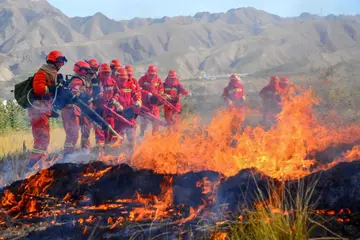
{"x": 123, "y": 10}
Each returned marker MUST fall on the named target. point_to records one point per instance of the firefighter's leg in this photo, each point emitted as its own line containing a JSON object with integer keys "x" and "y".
{"x": 41, "y": 134}
{"x": 155, "y": 126}
{"x": 168, "y": 114}
{"x": 143, "y": 125}
{"x": 86, "y": 127}
{"x": 71, "y": 123}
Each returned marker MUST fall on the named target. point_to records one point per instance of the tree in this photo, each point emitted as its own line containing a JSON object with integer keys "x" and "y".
{"x": 3, "y": 117}
{"x": 17, "y": 117}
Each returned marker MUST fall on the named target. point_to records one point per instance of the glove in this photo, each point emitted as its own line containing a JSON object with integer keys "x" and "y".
{"x": 149, "y": 95}
{"x": 54, "y": 114}
{"x": 167, "y": 96}
{"x": 229, "y": 102}
{"x": 138, "y": 104}
{"x": 118, "y": 106}
{"x": 60, "y": 80}
{"x": 52, "y": 88}
{"x": 94, "y": 81}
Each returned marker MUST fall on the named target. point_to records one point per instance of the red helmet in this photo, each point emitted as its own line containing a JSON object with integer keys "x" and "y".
{"x": 115, "y": 64}
{"x": 172, "y": 74}
{"x": 104, "y": 68}
{"x": 82, "y": 68}
{"x": 234, "y": 77}
{"x": 274, "y": 79}
{"x": 129, "y": 69}
{"x": 93, "y": 63}
{"x": 284, "y": 80}
{"x": 56, "y": 57}
{"x": 121, "y": 72}
{"x": 152, "y": 69}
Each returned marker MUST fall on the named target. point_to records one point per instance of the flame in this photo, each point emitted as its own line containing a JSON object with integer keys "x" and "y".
{"x": 91, "y": 176}
{"x": 157, "y": 208}
{"x": 36, "y": 186}
{"x": 281, "y": 152}
{"x": 219, "y": 236}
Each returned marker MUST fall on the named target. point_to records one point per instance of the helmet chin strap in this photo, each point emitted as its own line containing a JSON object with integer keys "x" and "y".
{"x": 57, "y": 69}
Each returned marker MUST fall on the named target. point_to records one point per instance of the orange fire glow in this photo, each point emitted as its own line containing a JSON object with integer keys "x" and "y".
{"x": 281, "y": 152}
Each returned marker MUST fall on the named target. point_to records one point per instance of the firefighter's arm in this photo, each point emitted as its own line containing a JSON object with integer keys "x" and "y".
{"x": 115, "y": 101}
{"x": 263, "y": 93}
{"x": 75, "y": 86}
{"x": 39, "y": 84}
{"x": 225, "y": 94}
{"x": 183, "y": 91}
{"x": 160, "y": 87}
{"x": 243, "y": 93}
{"x": 141, "y": 83}
{"x": 137, "y": 85}
{"x": 136, "y": 96}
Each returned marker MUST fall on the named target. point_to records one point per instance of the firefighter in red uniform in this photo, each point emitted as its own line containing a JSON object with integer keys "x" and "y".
{"x": 284, "y": 84}
{"x": 130, "y": 70}
{"x": 114, "y": 64}
{"x": 105, "y": 96}
{"x": 44, "y": 85}
{"x": 151, "y": 83}
{"x": 71, "y": 114}
{"x": 173, "y": 89}
{"x": 271, "y": 100}
{"x": 127, "y": 96}
{"x": 234, "y": 95}
{"x": 86, "y": 124}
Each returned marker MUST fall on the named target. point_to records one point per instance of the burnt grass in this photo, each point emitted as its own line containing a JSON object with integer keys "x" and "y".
{"x": 70, "y": 187}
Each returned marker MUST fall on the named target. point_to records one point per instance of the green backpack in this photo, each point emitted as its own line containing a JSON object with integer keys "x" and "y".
{"x": 21, "y": 92}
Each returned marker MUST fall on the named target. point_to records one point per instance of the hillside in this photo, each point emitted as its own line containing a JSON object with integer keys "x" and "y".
{"x": 244, "y": 40}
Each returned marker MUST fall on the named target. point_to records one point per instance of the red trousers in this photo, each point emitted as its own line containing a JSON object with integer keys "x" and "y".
{"x": 71, "y": 123}
{"x": 103, "y": 136}
{"x": 39, "y": 120}
{"x": 171, "y": 116}
{"x": 86, "y": 126}
{"x": 144, "y": 122}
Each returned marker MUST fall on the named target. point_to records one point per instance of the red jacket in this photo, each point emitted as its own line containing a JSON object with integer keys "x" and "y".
{"x": 135, "y": 83}
{"x": 271, "y": 95}
{"x": 150, "y": 85}
{"x": 77, "y": 85}
{"x": 126, "y": 93}
{"x": 174, "y": 89}
{"x": 45, "y": 77}
{"x": 235, "y": 92}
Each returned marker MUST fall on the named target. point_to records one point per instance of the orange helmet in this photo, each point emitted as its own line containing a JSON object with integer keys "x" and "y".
{"x": 56, "y": 57}
{"x": 121, "y": 72}
{"x": 129, "y": 69}
{"x": 82, "y": 68}
{"x": 152, "y": 69}
{"x": 172, "y": 74}
{"x": 93, "y": 63}
{"x": 104, "y": 68}
{"x": 115, "y": 64}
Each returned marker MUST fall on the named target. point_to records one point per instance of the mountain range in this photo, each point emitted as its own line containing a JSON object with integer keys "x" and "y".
{"x": 243, "y": 40}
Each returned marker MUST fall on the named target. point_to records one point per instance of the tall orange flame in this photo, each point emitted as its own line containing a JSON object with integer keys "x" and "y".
{"x": 281, "y": 152}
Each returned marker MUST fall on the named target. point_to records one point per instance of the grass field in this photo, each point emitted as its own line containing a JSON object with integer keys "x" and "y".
{"x": 13, "y": 142}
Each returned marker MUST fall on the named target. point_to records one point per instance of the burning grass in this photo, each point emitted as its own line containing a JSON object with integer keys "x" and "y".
{"x": 197, "y": 181}
{"x": 286, "y": 151}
